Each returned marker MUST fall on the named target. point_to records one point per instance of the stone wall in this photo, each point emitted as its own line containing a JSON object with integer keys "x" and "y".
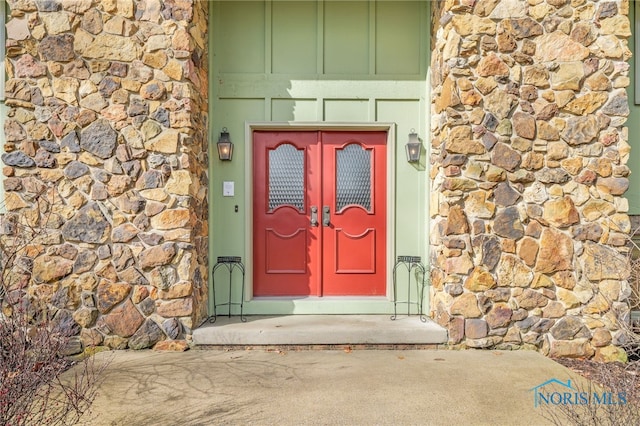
{"x": 529, "y": 223}
{"x": 107, "y": 117}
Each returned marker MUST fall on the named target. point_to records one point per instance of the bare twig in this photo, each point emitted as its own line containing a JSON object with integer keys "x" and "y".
{"x": 36, "y": 383}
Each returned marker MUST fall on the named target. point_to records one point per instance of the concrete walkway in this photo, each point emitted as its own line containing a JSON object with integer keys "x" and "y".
{"x": 340, "y": 387}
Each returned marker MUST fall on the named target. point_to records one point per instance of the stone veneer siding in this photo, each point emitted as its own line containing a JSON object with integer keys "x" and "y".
{"x": 107, "y": 114}
{"x": 529, "y": 223}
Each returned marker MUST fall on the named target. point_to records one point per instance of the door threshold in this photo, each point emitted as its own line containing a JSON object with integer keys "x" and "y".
{"x": 261, "y": 330}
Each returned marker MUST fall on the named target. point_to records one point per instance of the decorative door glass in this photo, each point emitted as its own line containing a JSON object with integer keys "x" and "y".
{"x": 286, "y": 177}
{"x": 353, "y": 180}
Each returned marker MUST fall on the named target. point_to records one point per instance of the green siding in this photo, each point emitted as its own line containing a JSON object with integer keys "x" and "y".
{"x": 294, "y": 45}
{"x": 398, "y": 49}
{"x": 411, "y": 186}
{"x": 346, "y": 37}
{"x": 241, "y": 46}
{"x": 347, "y": 61}
{"x": 227, "y": 227}
{"x": 346, "y": 110}
{"x": 294, "y": 110}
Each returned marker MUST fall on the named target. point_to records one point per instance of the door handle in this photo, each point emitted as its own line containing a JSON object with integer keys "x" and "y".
{"x": 326, "y": 216}
{"x": 314, "y": 216}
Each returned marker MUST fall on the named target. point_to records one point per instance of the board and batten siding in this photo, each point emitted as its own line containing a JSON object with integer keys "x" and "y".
{"x": 313, "y": 62}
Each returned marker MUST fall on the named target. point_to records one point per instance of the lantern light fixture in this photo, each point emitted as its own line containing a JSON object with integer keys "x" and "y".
{"x": 225, "y": 147}
{"x": 413, "y": 147}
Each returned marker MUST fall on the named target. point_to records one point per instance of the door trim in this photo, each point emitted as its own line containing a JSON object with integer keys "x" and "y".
{"x": 250, "y": 127}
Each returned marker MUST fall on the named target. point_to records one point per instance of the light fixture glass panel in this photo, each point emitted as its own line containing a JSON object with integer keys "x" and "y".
{"x": 225, "y": 150}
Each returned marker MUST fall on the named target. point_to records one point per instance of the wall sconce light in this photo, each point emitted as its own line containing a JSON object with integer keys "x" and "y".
{"x": 225, "y": 147}
{"x": 413, "y": 147}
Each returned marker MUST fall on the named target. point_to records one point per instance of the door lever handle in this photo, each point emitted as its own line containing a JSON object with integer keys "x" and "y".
{"x": 314, "y": 216}
{"x": 326, "y": 216}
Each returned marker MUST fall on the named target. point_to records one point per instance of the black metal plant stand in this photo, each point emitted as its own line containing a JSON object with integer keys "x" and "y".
{"x": 411, "y": 263}
{"x": 230, "y": 263}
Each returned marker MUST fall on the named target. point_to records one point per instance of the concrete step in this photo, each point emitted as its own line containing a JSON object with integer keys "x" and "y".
{"x": 320, "y": 330}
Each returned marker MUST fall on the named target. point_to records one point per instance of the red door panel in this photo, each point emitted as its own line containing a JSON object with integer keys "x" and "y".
{"x": 355, "y": 253}
{"x": 354, "y": 243}
{"x": 341, "y": 176}
{"x": 285, "y": 246}
{"x": 286, "y": 254}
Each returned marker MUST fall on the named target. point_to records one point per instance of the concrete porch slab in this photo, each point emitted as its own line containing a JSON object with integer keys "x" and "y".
{"x": 320, "y": 330}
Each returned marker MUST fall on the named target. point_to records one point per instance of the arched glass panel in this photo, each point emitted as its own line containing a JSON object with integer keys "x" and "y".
{"x": 286, "y": 177}
{"x": 353, "y": 180}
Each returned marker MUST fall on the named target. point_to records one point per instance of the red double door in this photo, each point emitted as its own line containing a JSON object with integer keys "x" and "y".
{"x": 319, "y": 213}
